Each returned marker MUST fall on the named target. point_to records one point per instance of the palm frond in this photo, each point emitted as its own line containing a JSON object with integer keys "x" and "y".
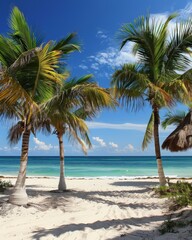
{"x": 174, "y": 118}
{"x": 148, "y": 133}
{"x": 15, "y": 133}
{"x": 67, "y": 45}
{"x": 21, "y": 32}
{"x": 9, "y": 51}
{"x": 8, "y": 89}
{"x": 178, "y": 46}
{"x": 129, "y": 85}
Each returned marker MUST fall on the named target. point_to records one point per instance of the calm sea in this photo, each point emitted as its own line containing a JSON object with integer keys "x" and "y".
{"x": 99, "y": 166}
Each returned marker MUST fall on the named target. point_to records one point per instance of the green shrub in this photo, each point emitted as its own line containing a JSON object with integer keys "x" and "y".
{"x": 180, "y": 193}
{"x": 171, "y": 225}
{"x": 4, "y": 185}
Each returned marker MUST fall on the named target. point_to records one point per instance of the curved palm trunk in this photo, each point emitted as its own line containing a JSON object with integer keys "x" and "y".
{"x": 161, "y": 174}
{"x": 62, "y": 185}
{"x": 19, "y": 195}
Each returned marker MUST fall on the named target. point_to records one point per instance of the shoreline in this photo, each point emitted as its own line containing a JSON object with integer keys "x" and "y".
{"x": 100, "y": 177}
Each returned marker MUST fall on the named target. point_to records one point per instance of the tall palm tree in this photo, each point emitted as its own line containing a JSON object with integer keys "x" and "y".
{"x": 155, "y": 77}
{"x": 75, "y": 101}
{"x": 28, "y": 78}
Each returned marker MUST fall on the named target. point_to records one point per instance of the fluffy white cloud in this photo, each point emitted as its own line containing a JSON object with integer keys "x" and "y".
{"x": 100, "y": 141}
{"x": 113, "y": 145}
{"x": 42, "y": 145}
{"x": 82, "y": 66}
{"x": 112, "y": 57}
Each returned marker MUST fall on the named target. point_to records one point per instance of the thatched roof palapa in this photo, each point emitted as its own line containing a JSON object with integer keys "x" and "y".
{"x": 181, "y": 138}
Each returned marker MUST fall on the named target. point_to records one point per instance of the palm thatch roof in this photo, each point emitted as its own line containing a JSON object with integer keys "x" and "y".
{"x": 181, "y": 138}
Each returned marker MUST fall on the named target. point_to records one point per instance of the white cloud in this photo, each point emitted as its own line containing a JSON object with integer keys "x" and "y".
{"x": 6, "y": 149}
{"x": 112, "y": 57}
{"x": 114, "y": 145}
{"x": 101, "y": 34}
{"x": 95, "y": 66}
{"x": 130, "y": 147}
{"x": 100, "y": 141}
{"x": 123, "y": 126}
{"x": 83, "y": 66}
{"x": 119, "y": 126}
{"x": 41, "y": 145}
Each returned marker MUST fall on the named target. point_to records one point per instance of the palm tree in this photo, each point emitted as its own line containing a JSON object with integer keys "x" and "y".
{"x": 30, "y": 70}
{"x": 155, "y": 77}
{"x": 75, "y": 101}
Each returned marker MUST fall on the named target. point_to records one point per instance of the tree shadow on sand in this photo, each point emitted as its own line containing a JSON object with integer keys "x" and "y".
{"x": 119, "y": 224}
{"x": 137, "y": 183}
{"x": 61, "y": 200}
{"x": 123, "y": 226}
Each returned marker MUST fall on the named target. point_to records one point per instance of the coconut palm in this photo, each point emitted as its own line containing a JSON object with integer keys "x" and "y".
{"x": 154, "y": 78}
{"x": 29, "y": 74}
{"x": 75, "y": 101}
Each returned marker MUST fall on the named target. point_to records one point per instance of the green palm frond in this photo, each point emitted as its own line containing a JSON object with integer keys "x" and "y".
{"x": 81, "y": 92}
{"x": 20, "y": 30}
{"x": 48, "y": 63}
{"x": 75, "y": 128}
{"x": 148, "y": 133}
{"x": 149, "y": 37}
{"x": 129, "y": 85}
{"x": 186, "y": 80}
{"x": 67, "y": 45}
{"x": 174, "y": 118}
{"x": 179, "y": 43}
{"x": 9, "y": 51}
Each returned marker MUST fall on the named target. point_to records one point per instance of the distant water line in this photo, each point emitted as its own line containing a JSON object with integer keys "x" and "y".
{"x": 89, "y": 166}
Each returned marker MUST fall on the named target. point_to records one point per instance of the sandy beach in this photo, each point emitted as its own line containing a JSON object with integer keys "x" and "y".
{"x": 90, "y": 209}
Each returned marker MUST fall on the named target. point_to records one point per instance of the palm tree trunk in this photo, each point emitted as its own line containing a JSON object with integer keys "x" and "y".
{"x": 19, "y": 195}
{"x": 62, "y": 185}
{"x": 161, "y": 174}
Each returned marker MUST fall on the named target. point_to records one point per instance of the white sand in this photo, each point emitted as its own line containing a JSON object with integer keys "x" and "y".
{"x": 92, "y": 209}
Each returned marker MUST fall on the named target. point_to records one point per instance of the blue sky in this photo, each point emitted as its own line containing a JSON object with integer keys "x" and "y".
{"x": 117, "y": 132}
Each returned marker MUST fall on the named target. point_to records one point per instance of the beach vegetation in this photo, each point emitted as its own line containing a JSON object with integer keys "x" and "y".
{"x": 180, "y": 193}
{"x": 171, "y": 226}
{"x": 4, "y": 185}
{"x": 159, "y": 77}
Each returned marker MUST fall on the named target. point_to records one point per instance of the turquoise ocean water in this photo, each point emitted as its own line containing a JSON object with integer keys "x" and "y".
{"x": 90, "y": 166}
